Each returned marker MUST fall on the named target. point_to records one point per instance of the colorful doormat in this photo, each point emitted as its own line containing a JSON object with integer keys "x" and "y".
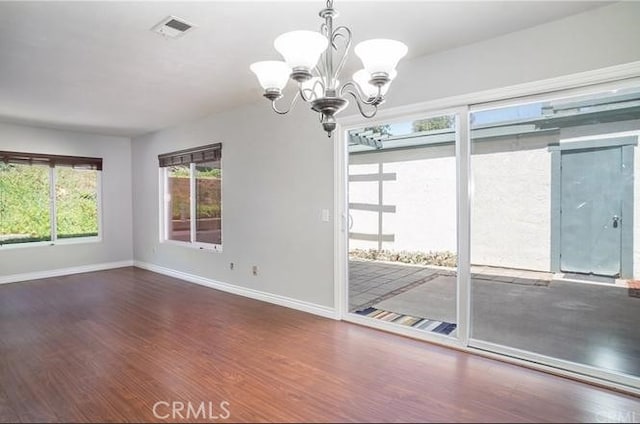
{"x": 434, "y": 326}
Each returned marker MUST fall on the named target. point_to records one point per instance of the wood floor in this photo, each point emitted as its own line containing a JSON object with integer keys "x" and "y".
{"x": 107, "y": 346}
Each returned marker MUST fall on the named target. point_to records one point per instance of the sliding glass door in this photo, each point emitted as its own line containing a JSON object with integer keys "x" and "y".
{"x": 402, "y": 224}
{"x": 555, "y": 240}
{"x": 511, "y": 227}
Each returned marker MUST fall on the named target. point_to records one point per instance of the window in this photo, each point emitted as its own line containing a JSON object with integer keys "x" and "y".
{"x": 46, "y": 198}
{"x": 192, "y": 196}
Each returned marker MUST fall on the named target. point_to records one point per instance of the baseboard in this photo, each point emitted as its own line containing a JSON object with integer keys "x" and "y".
{"x": 27, "y": 276}
{"x": 287, "y": 302}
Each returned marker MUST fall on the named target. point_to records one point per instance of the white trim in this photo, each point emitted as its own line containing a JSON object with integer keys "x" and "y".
{"x": 553, "y": 365}
{"x": 28, "y": 276}
{"x": 559, "y": 93}
{"x": 49, "y": 243}
{"x": 340, "y": 183}
{"x": 607, "y": 136}
{"x": 163, "y": 204}
{"x": 77, "y": 240}
{"x": 53, "y": 211}
{"x": 196, "y": 245}
{"x": 525, "y": 359}
{"x": 312, "y": 308}
{"x": 562, "y": 83}
{"x": 193, "y": 213}
{"x": 99, "y": 203}
{"x": 463, "y": 235}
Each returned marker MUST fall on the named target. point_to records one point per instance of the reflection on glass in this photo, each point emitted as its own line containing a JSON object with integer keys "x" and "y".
{"x": 179, "y": 207}
{"x": 402, "y": 224}
{"x": 24, "y": 203}
{"x": 554, "y": 268}
{"x": 208, "y": 201}
{"x": 76, "y": 202}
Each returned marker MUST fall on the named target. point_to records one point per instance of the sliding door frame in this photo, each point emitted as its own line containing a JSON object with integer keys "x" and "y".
{"x": 616, "y": 77}
{"x": 342, "y": 233}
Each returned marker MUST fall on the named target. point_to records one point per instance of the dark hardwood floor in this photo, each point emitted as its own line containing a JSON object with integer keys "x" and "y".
{"x": 107, "y": 346}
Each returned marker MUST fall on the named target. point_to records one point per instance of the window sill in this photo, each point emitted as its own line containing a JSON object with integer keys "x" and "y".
{"x": 60, "y": 242}
{"x": 197, "y": 246}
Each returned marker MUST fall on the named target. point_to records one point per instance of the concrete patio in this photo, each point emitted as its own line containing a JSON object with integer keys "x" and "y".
{"x": 568, "y": 319}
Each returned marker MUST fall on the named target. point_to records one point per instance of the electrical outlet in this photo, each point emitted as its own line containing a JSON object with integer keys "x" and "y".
{"x": 231, "y": 266}
{"x": 254, "y": 270}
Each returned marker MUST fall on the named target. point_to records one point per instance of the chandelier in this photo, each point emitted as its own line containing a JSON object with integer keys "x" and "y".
{"x": 314, "y": 60}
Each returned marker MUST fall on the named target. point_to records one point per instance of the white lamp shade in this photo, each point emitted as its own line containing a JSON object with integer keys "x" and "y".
{"x": 380, "y": 55}
{"x": 362, "y": 78}
{"x": 301, "y": 49}
{"x": 271, "y": 73}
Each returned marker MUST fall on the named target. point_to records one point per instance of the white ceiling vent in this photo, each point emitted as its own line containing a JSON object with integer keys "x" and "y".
{"x": 172, "y": 27}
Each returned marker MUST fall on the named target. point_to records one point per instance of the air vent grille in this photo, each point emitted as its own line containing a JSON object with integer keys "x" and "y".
{"x": 172, "y": 27}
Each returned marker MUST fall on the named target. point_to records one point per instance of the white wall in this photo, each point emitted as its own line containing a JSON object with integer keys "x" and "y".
{"x": 277, "y": 176}
{"x": 278, "y": 170}
{"x": 591, "y": 40}
{"x": 116, "y": 244}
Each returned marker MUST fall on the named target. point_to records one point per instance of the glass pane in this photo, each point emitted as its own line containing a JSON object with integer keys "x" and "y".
{"x": 76, "y": 202}
{"x": 24, "y": 203}
{"x": 179, "y": 207}
{"x": 554, "y": 270}
{"x": 208, "y": 203}
{"x": 402, "y": 223}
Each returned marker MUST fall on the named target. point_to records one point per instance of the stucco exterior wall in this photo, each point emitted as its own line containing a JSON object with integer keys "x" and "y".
{"x": 511, "y": 199}
{"x": 423, "y": 194}
{"x": 511, "y": 207}
{"x": 510, "y": 210}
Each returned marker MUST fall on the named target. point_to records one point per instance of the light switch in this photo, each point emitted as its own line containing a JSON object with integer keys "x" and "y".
{"x": 325, "y": 215}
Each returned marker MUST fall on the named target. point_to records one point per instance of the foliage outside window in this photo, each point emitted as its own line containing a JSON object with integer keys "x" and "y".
{"x": 192, "y": 196}
{"x": 47, "y": 198}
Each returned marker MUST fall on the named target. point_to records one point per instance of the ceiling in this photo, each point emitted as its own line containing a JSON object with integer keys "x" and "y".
{"x": 97, "y": 67}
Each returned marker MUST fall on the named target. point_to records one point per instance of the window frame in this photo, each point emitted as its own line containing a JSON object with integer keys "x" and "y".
{"x": 165, "y": 201}
{"x": 53, "y": 209}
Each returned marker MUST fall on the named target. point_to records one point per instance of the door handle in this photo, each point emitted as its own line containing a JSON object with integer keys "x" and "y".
{"x": 616, "y": 219}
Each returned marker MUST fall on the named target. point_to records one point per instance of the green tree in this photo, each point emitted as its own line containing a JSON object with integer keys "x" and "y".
{"x": 24, "y": 203}
{"x": 432, "y": 124}
{"x": 76, "y": 202}
{"x": 380, "y": 129}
